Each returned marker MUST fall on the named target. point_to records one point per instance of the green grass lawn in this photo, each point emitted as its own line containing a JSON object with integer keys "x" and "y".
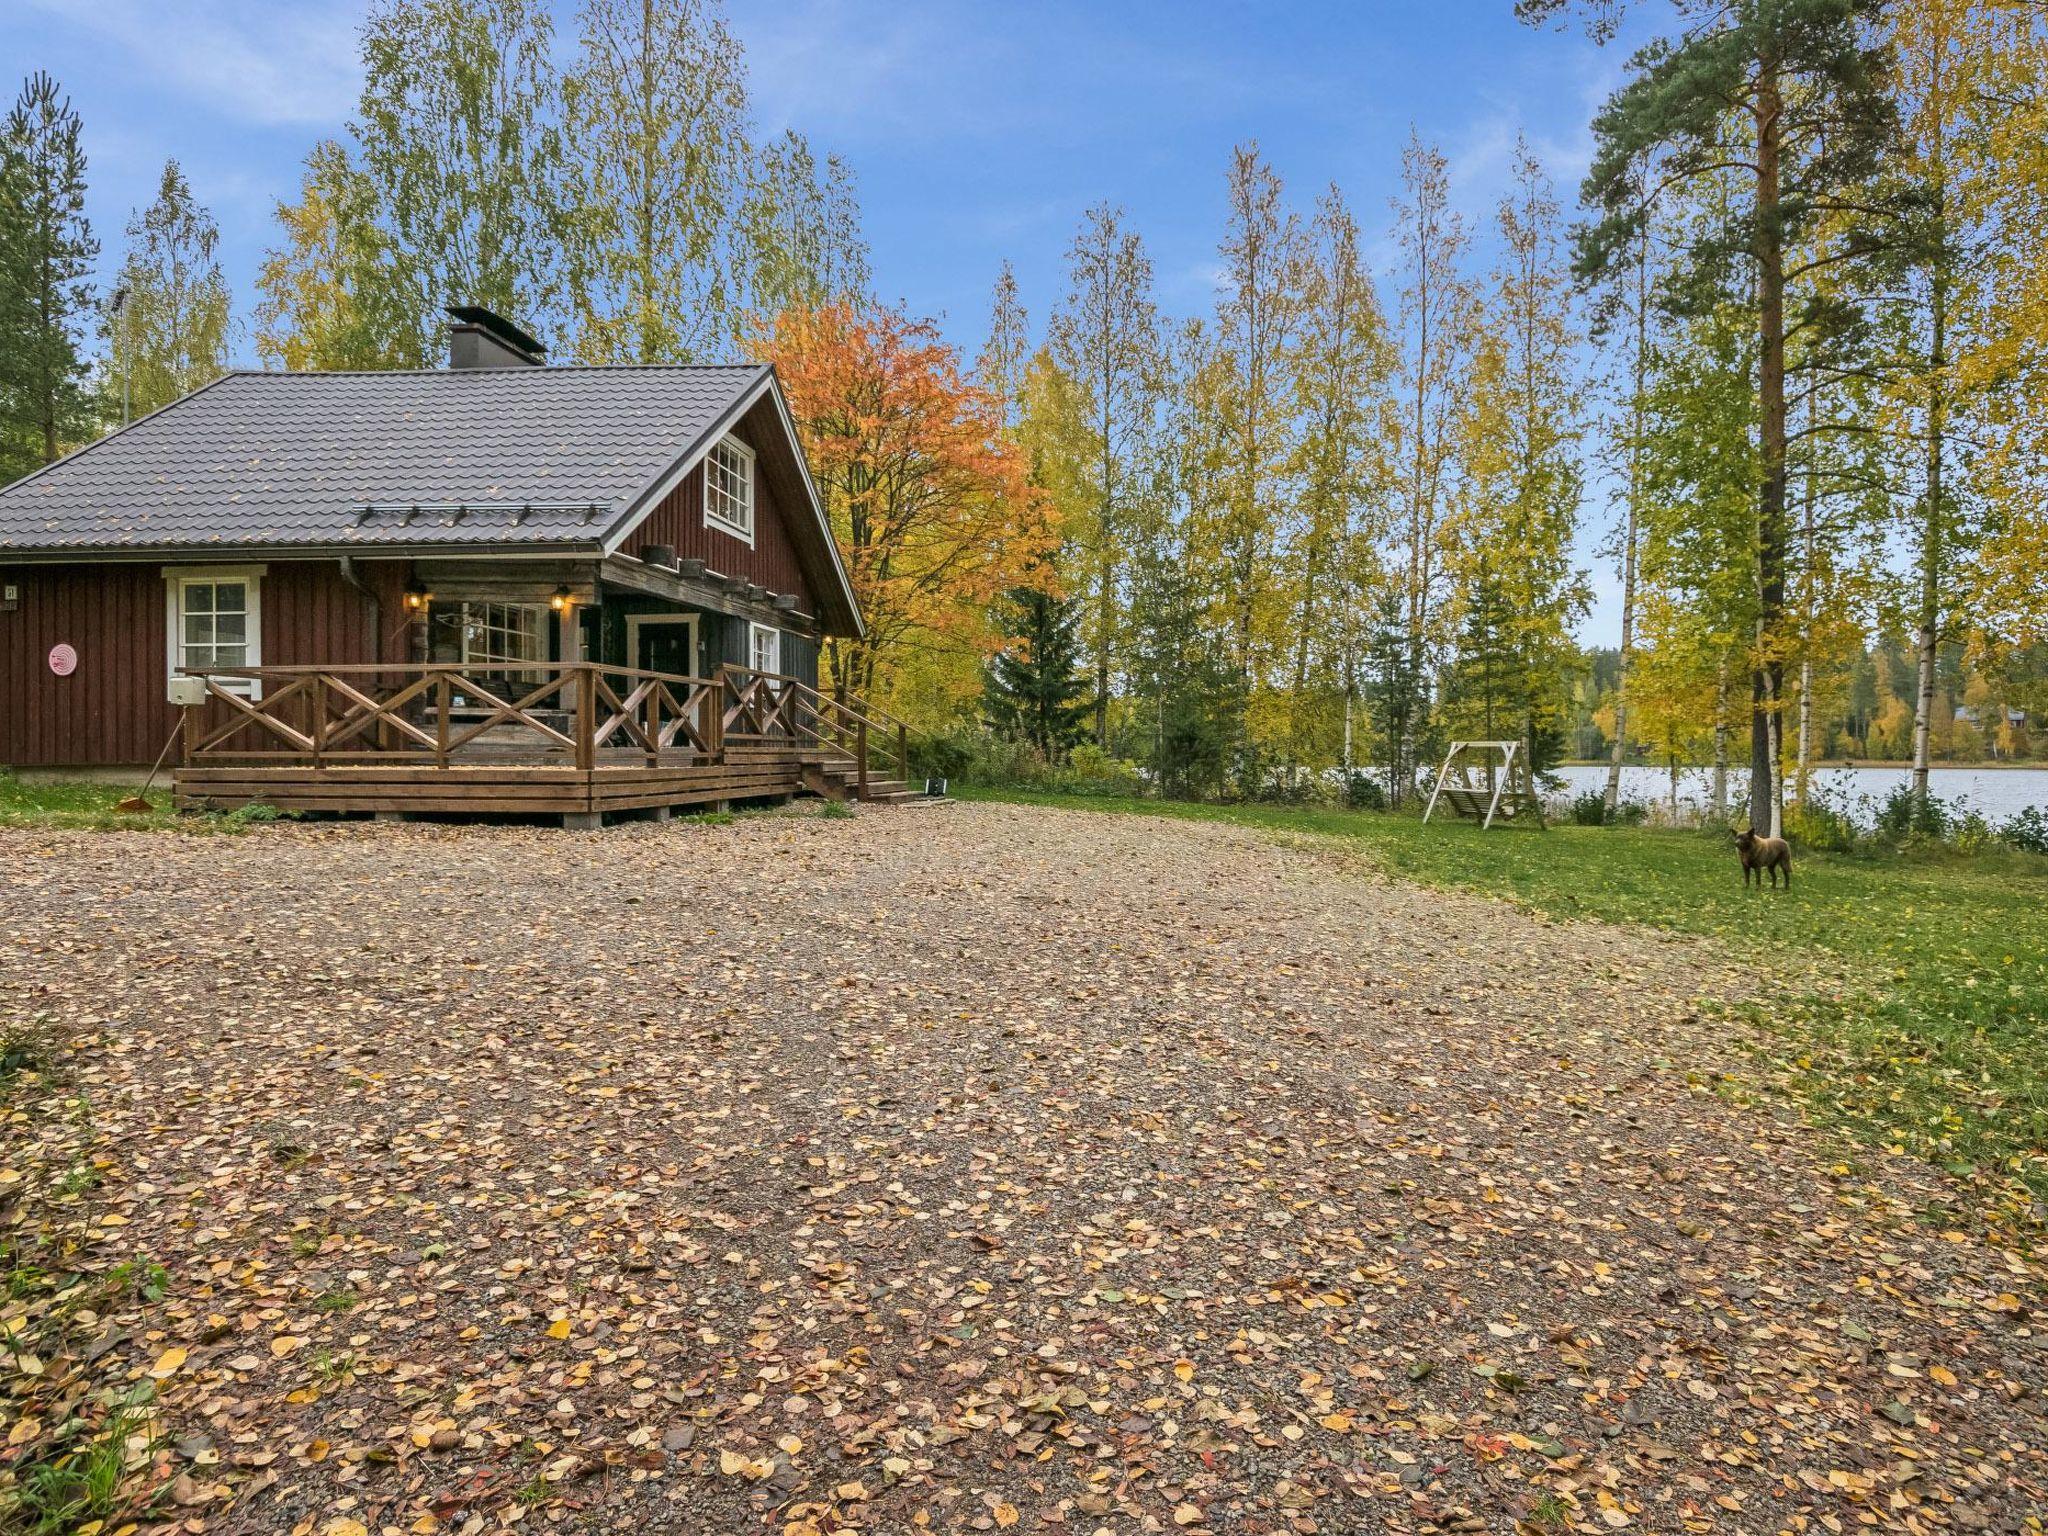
{"x": 78, "y": 806}
{"x": 1909, "y": 991}
{"x": 72, "y": 804}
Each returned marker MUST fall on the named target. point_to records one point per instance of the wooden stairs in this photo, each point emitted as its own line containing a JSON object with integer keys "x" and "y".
{"x": 834, "y": 775}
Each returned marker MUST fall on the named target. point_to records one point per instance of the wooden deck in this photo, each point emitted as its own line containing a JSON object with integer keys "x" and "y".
{"x": 575, "y": 741}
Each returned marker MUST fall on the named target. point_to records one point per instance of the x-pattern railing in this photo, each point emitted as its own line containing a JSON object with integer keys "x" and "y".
{"x": 585, "y": 711}
{"x": 436, "y": 711}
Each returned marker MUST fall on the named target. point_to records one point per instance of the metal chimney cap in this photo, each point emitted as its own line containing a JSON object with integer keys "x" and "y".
{"x": 505, "y": 332}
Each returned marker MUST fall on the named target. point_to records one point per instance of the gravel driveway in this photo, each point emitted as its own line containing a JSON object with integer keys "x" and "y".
{"x": 980, "y": 1168}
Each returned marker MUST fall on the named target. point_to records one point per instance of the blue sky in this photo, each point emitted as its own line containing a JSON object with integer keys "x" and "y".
{"x": 977, "y": 131}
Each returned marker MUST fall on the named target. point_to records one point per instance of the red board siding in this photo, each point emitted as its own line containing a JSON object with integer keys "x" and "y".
{"x": 111, "y": 711}
{"x": 771, "y": 561}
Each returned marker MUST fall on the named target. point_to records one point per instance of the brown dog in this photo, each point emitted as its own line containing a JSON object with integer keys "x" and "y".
{"x": 1761, "y": 854}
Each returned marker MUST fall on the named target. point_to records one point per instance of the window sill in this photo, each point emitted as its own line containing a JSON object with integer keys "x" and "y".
{"x": 731, "y": 530}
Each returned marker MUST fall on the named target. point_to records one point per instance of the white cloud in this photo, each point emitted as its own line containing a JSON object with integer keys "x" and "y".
{"x": 266, "y": 62}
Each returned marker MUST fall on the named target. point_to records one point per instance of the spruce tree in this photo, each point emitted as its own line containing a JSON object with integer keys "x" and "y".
{"x": 1036, "y": 690}
{"x": 47, "y": 251}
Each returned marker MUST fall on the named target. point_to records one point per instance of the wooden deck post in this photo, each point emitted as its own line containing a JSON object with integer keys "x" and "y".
{"x": 860, "y": 754}
{"x": 586, "y": 720}
{"x": 444, "y": 699}
{"x": 318, "y": 710}
{"x": 903, "y": 751}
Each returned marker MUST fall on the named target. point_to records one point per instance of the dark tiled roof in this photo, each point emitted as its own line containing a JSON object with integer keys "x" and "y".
{"x": 488, "y": 456}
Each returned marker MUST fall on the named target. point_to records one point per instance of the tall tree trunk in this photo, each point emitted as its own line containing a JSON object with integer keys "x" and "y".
{"x": 1721, "y": 745}
{"x": 1802, "y": 767}
{"x": 1927, "y": 631}
{"x": 1768, "y": 672}
{"x": 1612, "y": 798}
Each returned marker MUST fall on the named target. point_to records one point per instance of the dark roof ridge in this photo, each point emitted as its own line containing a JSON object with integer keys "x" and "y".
{"x": 522, "y": 369}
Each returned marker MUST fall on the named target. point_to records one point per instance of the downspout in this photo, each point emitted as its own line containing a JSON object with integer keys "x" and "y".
{"x": 348, "y": 574}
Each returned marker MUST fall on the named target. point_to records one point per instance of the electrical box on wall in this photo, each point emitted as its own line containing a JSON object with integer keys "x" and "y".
{"x": 10, "y": 597}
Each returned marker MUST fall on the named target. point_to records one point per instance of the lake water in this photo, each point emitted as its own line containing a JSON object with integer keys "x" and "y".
{"x": 1997, "y": 793}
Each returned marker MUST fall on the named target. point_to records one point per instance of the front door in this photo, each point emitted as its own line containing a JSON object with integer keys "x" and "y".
{"x": 665, "y": 642}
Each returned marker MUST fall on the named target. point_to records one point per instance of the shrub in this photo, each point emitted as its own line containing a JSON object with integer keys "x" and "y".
{"x": 1900, "y": 818}
{"x": 1971, "y": 833}
{"x": 1589, "y": 809}
{"x": 2026, "y": 832}
{"x": 1363, "y": 792}
{"x": 1090, "y": 770}
{"x": 1823, "y": 824}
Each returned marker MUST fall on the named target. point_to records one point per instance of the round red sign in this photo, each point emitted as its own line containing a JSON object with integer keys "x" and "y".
{"x": 63, "y": 660}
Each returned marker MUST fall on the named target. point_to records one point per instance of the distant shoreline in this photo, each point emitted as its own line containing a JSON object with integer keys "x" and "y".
{"x": 1738, "y": 768}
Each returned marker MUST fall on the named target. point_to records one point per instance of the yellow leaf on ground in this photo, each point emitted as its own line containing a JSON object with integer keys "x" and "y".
{"x": 285, "y": 1343}
{"x": 167, "y": 1363}
{"x": 559, "y": 1328}
{"x": 1006, "y": 1515}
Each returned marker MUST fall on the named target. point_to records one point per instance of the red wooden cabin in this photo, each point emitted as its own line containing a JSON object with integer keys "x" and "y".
{"x": 497, "y": 586}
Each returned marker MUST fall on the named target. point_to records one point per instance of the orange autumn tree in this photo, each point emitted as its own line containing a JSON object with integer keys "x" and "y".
{"x": 927, "y": 492}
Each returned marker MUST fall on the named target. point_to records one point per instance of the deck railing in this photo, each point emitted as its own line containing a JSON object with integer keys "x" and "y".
{"x": 581, "y": 714}
{"x": 771, "y": 708}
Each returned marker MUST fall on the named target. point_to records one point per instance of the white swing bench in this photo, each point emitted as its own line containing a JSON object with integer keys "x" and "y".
{"x": 1507, "y": 791}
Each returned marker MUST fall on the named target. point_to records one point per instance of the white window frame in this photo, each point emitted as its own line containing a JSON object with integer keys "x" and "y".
{"x": 754, "y": 634}
{"x": 716, "y": 516}
{"x": 176, "y": 579}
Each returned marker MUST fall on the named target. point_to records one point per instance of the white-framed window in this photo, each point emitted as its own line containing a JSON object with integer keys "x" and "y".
{"x": 729, "y": 488}
{"x": 764, "y": 648}
{"x": 213, "y": 618}
{"x": 493, "y": 637}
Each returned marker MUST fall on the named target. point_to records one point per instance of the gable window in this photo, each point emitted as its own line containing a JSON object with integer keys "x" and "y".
{"x": 213, "y": 618}
{"x": 729, "y": 488}
{"x": 765, "y": 648}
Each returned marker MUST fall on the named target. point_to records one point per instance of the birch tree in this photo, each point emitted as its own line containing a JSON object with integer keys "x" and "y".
{"x": 1340, "y": 373}
{"x": 1433, "y": 337}
{"x": 173, "y": 334}
{"x": 1006, "y": 354}
{"x": 804, "y": 246}
{"x": 328, "y": 298}
{"x": 1256, "y": 314}
{"x": 458, "y": 129}
{"x": 1105, "y": 339}
{"x": 656, "y": 160}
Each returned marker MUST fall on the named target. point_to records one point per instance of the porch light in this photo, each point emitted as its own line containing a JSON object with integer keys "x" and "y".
{"x": 417, "y": 596}
{"x": 560, "y": 601}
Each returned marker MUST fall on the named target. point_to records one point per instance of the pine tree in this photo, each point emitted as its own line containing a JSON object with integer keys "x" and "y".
{"x": 172, "y": 335}
{"x": 47, "y": 252}
{"x": 1793, "y": 94}
{"x": 1037, "y": 690}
